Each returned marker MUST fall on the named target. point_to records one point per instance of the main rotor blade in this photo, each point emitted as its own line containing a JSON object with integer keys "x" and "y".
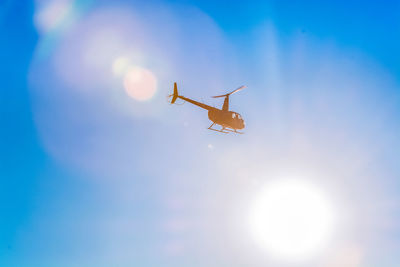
{"x": 238, "y": 89}
{"x": 234, "y": 91}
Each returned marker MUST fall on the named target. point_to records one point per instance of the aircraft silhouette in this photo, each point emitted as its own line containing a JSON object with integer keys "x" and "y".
{"x": 230, "y": 121}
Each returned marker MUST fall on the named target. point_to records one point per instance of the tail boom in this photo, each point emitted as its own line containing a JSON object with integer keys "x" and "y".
{"x": 175, "y": 96}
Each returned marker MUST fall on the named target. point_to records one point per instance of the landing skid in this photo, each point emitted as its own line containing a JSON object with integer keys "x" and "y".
{"x": 233, "y": 131}
{"x": 223, "y": 130}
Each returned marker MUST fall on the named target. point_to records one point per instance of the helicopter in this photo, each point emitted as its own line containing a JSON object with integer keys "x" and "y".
{"x": 230, "y": 121}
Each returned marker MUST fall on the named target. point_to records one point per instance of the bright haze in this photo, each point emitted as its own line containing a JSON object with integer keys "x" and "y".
{"x": 98, "y": 169}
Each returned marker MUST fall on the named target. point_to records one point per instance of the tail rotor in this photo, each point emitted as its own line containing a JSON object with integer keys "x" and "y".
{"x": 175, "y": 94}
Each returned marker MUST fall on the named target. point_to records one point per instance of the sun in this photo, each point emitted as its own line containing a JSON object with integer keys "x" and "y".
{"x": 291, "y": 219}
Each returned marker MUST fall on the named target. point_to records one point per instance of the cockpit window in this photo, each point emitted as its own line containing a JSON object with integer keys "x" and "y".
{"x": 236, "y": 116}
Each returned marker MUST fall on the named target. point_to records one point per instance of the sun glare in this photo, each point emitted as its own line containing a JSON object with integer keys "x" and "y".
{"x": 291, "y": 219}
{"x": 140, "y": 83}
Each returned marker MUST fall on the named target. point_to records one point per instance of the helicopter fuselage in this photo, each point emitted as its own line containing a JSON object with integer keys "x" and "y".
{"x": 229, "y": 119}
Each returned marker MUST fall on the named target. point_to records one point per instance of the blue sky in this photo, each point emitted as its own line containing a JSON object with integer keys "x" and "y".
{"x": 92, "y": 177}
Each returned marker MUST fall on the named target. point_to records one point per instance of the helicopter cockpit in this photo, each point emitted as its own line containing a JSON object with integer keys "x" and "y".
{"x": 236, "y": 116}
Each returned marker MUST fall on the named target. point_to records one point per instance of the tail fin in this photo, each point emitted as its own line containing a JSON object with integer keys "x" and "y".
{"x": 175, "y": 95}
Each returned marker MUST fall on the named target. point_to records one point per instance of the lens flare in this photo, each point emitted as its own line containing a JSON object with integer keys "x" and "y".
{"x": 120, "y": 66}
{"x": 140, "y": 83}
{"x": 50, "y": 14}
{"x": 291, "y": 219}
